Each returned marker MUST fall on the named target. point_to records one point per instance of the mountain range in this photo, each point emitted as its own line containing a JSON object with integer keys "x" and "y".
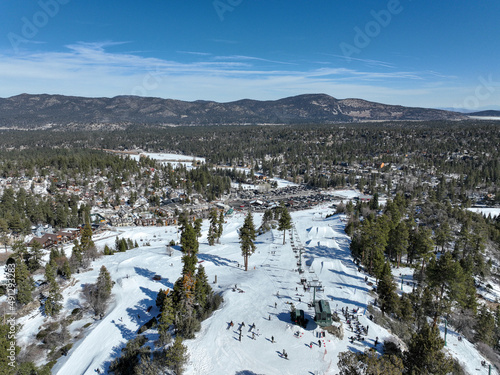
{"x": 27, "y": 111}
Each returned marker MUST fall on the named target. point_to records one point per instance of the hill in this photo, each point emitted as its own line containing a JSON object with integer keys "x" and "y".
{"x": 261, "y": 296}
{"x": 490, "y": 113}
{"x": 70, "y": 112}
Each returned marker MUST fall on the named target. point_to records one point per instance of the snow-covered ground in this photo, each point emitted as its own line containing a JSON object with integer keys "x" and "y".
{"x": 262, "y": 297}
{"x": 493, "y": 211}
{"x": 174, "y": 159}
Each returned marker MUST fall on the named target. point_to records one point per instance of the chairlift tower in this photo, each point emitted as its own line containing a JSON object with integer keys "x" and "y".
{"x": 315, "y": 284}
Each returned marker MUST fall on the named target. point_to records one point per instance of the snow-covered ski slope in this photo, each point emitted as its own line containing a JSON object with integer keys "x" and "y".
{"x": 260, "y": 296}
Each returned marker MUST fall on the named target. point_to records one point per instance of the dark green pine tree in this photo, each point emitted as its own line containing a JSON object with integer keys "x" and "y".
{"x": 76, "y": 259}
{"x": 34, "y": 255}
{"x": 423, "y": 246}
{"x": 386, "y": 290}
{"x": 53, "y": 302}
{"x": 86, "y": 239}
{"x": 197, "y": 226}
{"x": 184, "y": 287}
{"x": 398, "y": 241}
{"x": 176, "y": 356}
{"x": 202, "y": 287}
{"x": 24, "y": 282}
{"x": 446, "y": 281}
{"x": 212, "y": 230}
{"x": 247, "y": 237}
{"x": 5, "y": 347}
{"x": 285, "y": 221}
{"x": 104, "y": 284}
{"x": 425, "y": 356}
{"x": 167, "y": 318}
{"x": 189, "y": 240}
{"x": 66, "y": 270}
{"x": 220, "y": 226}
{"x": 485, "y": 326}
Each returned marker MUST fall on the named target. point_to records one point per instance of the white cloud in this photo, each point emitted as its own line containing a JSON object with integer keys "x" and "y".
{"x": 88, "y": 69}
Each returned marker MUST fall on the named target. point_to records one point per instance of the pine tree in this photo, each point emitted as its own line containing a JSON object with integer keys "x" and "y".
{"x": 202, "y": 287}
{"x": 76, "y": 259}
{"x": 247, "y": 237}
{"x": 285, "y": 221}
{"x": 98, "y": 294}
{"x": 5, "y": 347}
{"x": 398, "y": 241}
{"x": 34, "y": 256}
{"x": 212, "y": 230}
{"x": 53, "y": 302}
{"x": 369, "y": 363}
{"x": 386, "y": 290}
{"x": 167, "y": 318}
{"x": 24, "y": 282}
{"x": 66, "y": 270}
{"x": 220, "y": 226}
{"x": 485, "y": 326}
{"x": 104, "y": 283}
{"x": 189, "y": 240}
{"x": 423, "y": 246}
{"x": 446, "y": 281}
{"x": 176, "y": 356}
{"x": 197, "y": 226}
{"x": 443, "y": 235}
{"x": 424, "y": 355}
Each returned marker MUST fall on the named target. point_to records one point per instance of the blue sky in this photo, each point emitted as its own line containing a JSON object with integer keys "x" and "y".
{"x": 412, "y": 52}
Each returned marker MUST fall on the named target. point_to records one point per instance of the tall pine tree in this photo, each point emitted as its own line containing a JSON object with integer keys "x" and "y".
{"x": 247, "y": 237}
{"x": 212, "y": 229}
{"x": 285, "y": 221}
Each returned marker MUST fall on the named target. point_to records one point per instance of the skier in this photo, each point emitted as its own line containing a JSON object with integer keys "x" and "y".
{"x": 376, "y": 341}
{"x": 272, "y": 339}
{"x": 275, "y": 305}
{"x": 319, "y": 343}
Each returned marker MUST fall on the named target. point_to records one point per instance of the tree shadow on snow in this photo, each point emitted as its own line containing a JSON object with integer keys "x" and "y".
{"x": 127, "y": 334}
{"x": 139, "y": 311}
{"x": 150, "y": 274}
{"x": 246, "y": 372}
{"x": 217, "y": 260}
{"x": 116, "y": 351}
{"x": 346, "y": 301}
{"x": 342, "y": 273}
{"x": 349, "y": 286}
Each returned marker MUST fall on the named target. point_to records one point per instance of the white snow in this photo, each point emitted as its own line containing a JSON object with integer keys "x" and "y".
{"x": 485, "y": 211}
{"x": 165, "y": 158}
{"x": 272, "y": 280}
